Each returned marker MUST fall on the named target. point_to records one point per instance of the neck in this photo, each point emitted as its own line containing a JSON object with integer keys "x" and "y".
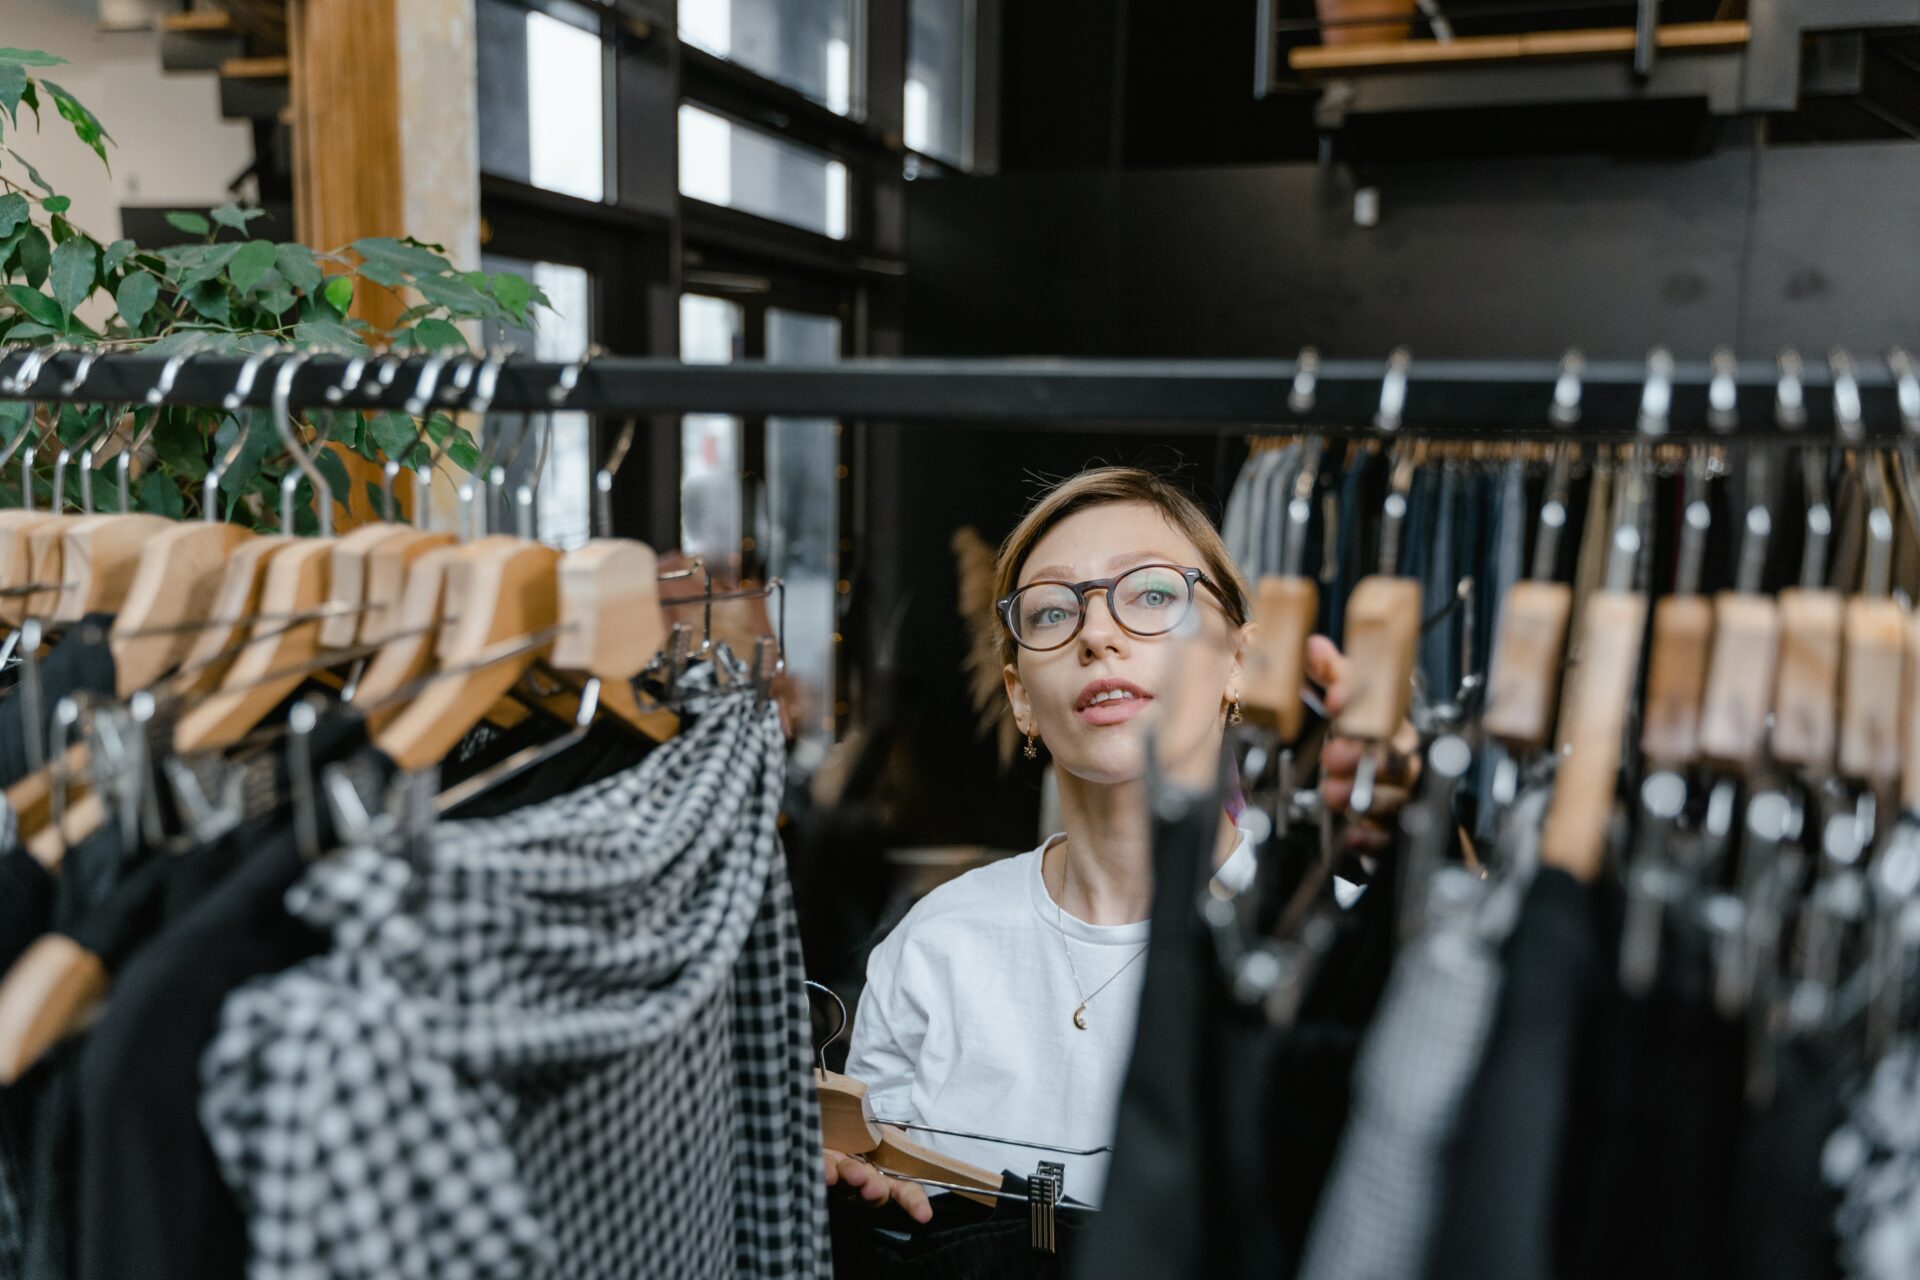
{"x": 1102, "y": 872}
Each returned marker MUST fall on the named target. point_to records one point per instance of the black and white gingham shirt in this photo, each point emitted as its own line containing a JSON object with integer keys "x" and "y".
{"x": 573, "y": 1044}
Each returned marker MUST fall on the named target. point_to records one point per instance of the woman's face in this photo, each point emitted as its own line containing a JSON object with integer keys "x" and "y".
{"x": 1179, "y": 683}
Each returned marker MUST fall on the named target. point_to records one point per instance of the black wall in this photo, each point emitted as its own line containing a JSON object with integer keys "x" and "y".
{"x": 1525, "y": 257}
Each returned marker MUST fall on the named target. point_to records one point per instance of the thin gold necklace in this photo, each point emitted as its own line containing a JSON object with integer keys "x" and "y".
{"x": 1060, "y": 923}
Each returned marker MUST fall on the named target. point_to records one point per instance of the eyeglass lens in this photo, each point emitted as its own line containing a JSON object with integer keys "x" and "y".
{"x": 1147, "y": 601}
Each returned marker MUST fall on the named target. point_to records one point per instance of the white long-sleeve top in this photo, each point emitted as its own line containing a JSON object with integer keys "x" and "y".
{"x": 967, "y": 1019}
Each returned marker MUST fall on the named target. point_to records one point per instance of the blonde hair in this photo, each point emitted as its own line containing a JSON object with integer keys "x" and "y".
{"x": 1101, "y": 487}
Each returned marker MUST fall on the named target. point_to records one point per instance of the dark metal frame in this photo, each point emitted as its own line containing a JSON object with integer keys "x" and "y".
{"x": 1445, "y": 399}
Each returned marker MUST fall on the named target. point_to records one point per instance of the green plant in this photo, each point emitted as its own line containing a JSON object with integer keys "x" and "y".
{"x": 230, "y": 292}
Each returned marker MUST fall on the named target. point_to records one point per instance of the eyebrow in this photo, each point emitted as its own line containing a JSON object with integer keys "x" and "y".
{"x": 1059, "y": 572}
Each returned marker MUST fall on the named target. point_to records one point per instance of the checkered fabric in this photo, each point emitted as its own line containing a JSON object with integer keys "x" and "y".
{"x": 572, "y": 1043}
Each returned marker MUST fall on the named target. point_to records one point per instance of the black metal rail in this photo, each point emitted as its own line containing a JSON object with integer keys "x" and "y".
{"x": 1447, "y": 399}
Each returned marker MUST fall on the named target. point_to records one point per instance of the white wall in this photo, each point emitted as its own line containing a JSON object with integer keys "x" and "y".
{"x": 170, "y": 146}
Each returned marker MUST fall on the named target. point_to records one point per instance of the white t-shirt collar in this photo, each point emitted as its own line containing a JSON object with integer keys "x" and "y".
{"x": 1235, "y": 875}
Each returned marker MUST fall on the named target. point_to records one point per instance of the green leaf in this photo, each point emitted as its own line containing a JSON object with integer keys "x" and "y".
{"x": 32, "y": 58}
{"x": 36, "y": 258}
{"x": 28, "y": 329}
{"x": 210, "y": 302}
{"x": 410, "y": 258}
{"x": 179, "y": 444}
{"x": 14, "y": 212}
{"x": 276, "y": 302}
{"x": 512, "y": 292}
{"x": 38, "y": 306}
{"x": 159, "y": 495}
{"x": 328, "y": 334}
{"x": 85, "y": 126}
{"x": 135, "y": 297}
{"x": 339, "y": 293}
{"x": 392, "y": 433}
{"x": 115, "y": 257}
{"x": 336, "y": 473}
{"x": 33, "y": 174}
{"x": 72, "y": 273}
{"x": 212, "y": 260}
{"x": 252, "y": 261}
{"x": 232, "y": 215}
{"x": 297, "y": 265}
{"x": 13, "y": 84}
{"x": 463, "y": 452}
{"x": 431, "y": 335}
{"x": 191, "y": 223}
{"x": 56, "y": 204}
{"x": 383, "y": 273}
{"x": 376, "y": 497}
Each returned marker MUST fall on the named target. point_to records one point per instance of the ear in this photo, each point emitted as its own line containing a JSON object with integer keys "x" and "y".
{"x": 1017, "y": 698}
{"x": 1242, "y": 637}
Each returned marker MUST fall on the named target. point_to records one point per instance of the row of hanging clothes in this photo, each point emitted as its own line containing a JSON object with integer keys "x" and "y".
{"x": 407, "y": 902}
{"x": 1635, "y": 992}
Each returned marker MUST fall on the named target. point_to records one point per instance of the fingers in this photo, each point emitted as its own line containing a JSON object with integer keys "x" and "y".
{"x": 1326, "y": 666}
{"x": 875, "y": 1188}
{"x": 833, "y": 1159}
{"x": 912, "y": 1197}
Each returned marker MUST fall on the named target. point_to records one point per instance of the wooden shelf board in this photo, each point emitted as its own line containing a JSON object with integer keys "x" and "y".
{"x": 1598, "y": 42}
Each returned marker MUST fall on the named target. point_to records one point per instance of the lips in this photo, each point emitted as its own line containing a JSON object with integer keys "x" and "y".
{"x": 1110, "y": 701}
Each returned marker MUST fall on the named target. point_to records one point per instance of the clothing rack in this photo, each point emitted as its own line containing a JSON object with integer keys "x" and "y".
{"x": 1865, "y": 401}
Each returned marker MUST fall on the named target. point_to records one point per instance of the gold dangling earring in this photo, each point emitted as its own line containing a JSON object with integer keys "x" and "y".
{"x": 1233, "y": 712}
{"x": 1032, "y": 753}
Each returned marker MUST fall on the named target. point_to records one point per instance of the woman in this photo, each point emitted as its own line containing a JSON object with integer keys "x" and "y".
{"x": 1004, "y": 1003}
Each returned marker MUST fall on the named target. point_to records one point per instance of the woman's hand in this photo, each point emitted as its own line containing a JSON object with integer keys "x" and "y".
{"x": 1340, "y": 757}
{"x": 875, "y": 1188}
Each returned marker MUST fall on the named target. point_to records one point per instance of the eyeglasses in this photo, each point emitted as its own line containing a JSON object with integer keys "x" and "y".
{"x": 1148, "y": 601}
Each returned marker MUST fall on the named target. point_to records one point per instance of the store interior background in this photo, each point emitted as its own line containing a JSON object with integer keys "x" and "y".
{"x": 809, "y": 180}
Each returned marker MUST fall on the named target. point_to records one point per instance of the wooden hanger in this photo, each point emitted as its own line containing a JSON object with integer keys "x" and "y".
{"x": 1812, "y": 623}
{"x": 407, "y": 645}
{"x": 1600, "y": 686}
{"x": 177, "y": 582}
{"x": 847, "y": 1125}
{"x": 1682, "y": 640}
{"x": 1523, "y": 683}
{"x": 612, "y": 625}
{"x": 1284, "y": 610}
{"x": 1746, "y": 643}
{"x": 497, "y": 589}
{"x": 1382, "y": 637}
{"x": 1874, "y": 663}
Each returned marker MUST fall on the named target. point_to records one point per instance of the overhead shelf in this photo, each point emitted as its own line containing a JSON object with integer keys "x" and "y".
{"x": 1350, "y": 59}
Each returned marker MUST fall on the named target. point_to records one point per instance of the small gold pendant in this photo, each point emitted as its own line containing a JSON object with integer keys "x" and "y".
{"x": 1080, "y": 1017}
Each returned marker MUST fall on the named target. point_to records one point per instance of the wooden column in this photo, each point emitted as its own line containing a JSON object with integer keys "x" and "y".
{"x": 386, "y": 139}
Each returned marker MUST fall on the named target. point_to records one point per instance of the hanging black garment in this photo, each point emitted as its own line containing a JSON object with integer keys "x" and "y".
{"x": 1783, "y": 1211}
{"x": 967, "y": 1241}
{"x": 1502, "y": 1171}
{"x": 80, "y": 663}
{"x": 1227, "y": 1126}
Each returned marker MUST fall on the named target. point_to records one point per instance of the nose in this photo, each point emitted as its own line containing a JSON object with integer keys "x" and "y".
{"x": 1101, "y": 633}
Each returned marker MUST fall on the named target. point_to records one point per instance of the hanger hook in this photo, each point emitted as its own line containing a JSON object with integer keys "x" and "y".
{"x": 1846, "y": 396}
{"x": 1656, "y": 397}
{"x": 349, "y": 379}
{"x": 283, "y": 423}
{"x": 429, "y": 377}
{"x": 1906, "y": 384}
{"x": 1565, "y": 410}
{"x": 28, "y": 374}
{"x": 603, "y": 478}
{"x": 820, "y": 1050}
{"x": 1306, "y": 379}
{"x": 1790, "y": 397}
{"x": 562, "y": 389}
{"x": 1393, "y": 390}
{"x": 170, "y": 371}
{"x": 81, "y": 372}
{"x": 249, "y": 372}
{"x": 1723, "y": 392}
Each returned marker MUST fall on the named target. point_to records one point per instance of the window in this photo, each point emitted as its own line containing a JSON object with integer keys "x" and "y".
{"x": 806, "y": 45}
{"x": 542, "y": 109}
{"x": 803, "y": 486}
{"x": 711, "y": 332}
{"x": 726, "y": 163}
{"x": 939, "y": 92}
{"x": 563, "y": 504}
